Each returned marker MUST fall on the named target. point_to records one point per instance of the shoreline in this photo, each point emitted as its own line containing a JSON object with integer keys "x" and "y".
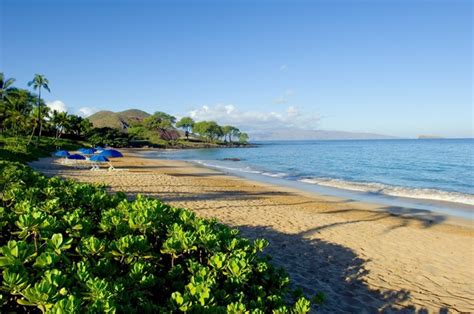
{"x": 396, "y": 203}
{"x": 401, "y": 211}
{"x": 361, "y": 257}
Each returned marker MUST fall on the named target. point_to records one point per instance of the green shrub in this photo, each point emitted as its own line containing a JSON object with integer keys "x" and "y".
{"x": 16, "y": 148}
{"x": 108, "y": 136}
{"x": 71, "y": 247}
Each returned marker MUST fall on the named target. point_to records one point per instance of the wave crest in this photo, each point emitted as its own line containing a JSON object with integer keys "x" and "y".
{"x": 399, "y": 191}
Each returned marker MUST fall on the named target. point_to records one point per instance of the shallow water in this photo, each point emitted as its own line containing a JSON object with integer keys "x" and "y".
{"x": 438, "y": 173}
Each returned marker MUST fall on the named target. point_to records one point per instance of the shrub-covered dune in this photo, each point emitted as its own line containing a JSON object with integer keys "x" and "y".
{"x": 69, "y": 247}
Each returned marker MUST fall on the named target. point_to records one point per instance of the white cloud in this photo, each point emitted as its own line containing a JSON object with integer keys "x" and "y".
{"x": 86, "y": 111}
{"x": 292, "y": 111}
{"x": 57, "y": 105}
{"x": 60, "y": 106}
{"x": 256, "y": 120}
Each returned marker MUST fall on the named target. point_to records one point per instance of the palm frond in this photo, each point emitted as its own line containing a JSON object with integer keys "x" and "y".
{"x": 8, "y": 83}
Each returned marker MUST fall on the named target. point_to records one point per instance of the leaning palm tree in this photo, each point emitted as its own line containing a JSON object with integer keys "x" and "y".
{"x": 38, "y": 82}
{"x": 5, "y": 90}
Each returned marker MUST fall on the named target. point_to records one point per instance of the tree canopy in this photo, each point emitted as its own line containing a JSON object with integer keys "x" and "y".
{"x": 24, "y": 113}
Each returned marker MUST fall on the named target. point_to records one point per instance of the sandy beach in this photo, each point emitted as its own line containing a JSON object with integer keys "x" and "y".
{"x": 361, "y": 256}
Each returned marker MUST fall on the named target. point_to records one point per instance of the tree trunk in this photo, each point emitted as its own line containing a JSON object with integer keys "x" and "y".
{"x": 39, "y": 117}
{"x": 31, "y": 136}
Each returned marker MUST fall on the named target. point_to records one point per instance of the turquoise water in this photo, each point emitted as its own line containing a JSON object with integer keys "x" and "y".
{"x": 436, "y": 170}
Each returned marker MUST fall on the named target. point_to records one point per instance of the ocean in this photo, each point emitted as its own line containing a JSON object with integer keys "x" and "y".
{"x": 433, "y": 174}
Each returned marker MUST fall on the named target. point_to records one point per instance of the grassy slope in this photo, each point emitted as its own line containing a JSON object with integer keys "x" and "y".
{"x": 113, "y": 119}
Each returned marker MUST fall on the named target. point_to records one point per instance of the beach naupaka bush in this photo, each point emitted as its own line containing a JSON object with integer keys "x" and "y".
{"x": 70, "y": 247}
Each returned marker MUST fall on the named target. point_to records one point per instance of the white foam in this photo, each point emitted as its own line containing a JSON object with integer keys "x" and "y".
{"x": 378, "y": 188}
{"x": 246, "y": 169}
{"x": 374, "y": 188}
{"x": 275, "y": 175}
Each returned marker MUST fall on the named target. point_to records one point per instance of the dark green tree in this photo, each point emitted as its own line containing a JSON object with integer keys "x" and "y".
{"x": 243, "y": 138}
{"x": 230, "y": 131}
{"x": 186, "y": 123}
{"x": 6, "y": 88}
{"x": 162, "y": 123}
{"x": 208, "y": 129}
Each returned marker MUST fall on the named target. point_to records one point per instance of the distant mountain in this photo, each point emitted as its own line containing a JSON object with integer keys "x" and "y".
{"x": 120, "y": 120}
{"x": 429, "y": 137}
{"x": 298, "y": 134}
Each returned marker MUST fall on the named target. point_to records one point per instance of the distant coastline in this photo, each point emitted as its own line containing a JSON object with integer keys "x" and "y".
{"x": 430, "y": 137}
{"x": 290, "y": 134}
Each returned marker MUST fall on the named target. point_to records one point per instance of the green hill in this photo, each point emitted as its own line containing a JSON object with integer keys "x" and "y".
{"x": 119, "y": 120}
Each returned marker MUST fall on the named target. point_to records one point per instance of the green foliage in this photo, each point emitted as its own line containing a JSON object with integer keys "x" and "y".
{"x": 230, "y": 131}
{"x": 243, "y": 137}
{"x": 186, "y": 123}
{"x": 68, "y": 247}
{"x": 159, "y": 120}
{"x": 107, "y": 136}
{"x": 23, "y": 113}
{"x": 16, "y": 148}
{"x": 161, "y": 124}
{"x": 208, "y": 129}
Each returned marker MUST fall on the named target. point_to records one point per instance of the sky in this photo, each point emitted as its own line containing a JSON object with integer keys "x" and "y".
{"x": 400, "y": 68}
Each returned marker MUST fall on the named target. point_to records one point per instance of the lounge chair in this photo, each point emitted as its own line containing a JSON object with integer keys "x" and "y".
{"x": 112, "y": 168}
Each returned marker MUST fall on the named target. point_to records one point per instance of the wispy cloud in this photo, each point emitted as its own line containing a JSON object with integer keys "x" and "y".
{"x": 256, "y": 120}
{"x": 86, "y": 111}
{"x": 284, "y": 99}
{"x": 281, "y": 100}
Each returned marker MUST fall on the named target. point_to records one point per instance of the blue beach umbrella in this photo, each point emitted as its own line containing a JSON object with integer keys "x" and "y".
{"x": 99, "y": 158}
{"x": 111, "y": 153}
{"x": 62, "y": 153}
{"x": 87, "y": 151}
{"x": 99, "y": 148}
{"x": 76, "y": 156}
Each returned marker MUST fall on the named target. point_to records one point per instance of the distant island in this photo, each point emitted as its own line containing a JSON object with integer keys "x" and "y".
{"x": 429, "y": 137}
{"x": 293, "y": 134}
{"x": 132, "y": 120}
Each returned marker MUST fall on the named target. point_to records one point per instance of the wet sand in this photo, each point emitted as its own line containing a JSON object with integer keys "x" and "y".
{"x": 361, "y": 256}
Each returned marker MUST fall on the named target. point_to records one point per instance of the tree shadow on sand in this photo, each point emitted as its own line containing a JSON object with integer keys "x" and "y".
{"x": 316, "y": 266}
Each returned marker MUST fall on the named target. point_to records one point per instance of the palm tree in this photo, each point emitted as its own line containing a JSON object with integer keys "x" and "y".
{"x": 60, "y": 122}
{"x": 16, "y": 120}
{"x": 5, "y": 90}
{"x": 44, "y": 114}
{"x": 38, "y": 82}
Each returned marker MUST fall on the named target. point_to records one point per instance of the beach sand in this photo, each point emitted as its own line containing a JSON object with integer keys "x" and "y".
{"x": 361, "y": 256}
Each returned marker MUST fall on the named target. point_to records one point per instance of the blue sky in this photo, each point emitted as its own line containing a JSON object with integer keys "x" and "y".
{"x": 401, "y": 68}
